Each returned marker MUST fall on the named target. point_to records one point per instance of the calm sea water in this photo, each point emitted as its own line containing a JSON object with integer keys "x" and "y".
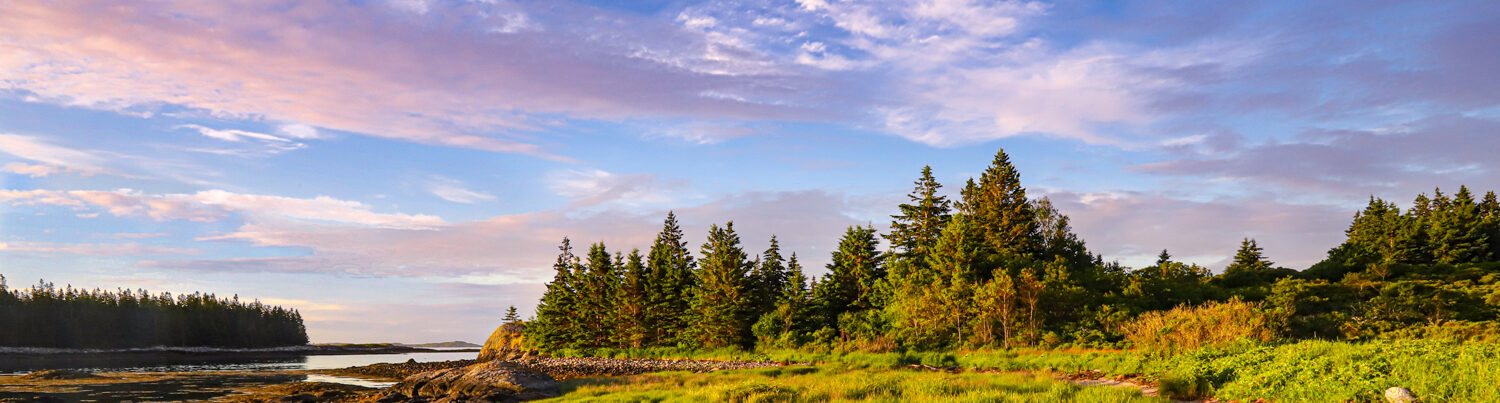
{"x": 222, "y": 362}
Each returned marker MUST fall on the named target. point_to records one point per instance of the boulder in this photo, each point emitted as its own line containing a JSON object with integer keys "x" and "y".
{"x": 1397, "y": 394}
{"x": 506, "y": 343}
{"x": 493, "y": 381}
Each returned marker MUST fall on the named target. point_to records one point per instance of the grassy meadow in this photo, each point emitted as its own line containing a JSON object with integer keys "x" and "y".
{"x": 1306, "y": 371}
{"x": 836, "y": 382}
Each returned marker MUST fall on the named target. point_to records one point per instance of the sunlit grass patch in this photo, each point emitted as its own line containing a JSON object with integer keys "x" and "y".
{"x": 840, "y": 382}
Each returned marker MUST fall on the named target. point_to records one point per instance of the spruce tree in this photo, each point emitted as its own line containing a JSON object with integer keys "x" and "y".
{"x": 1420, "y": 207}
{"x": 1490, "y": 207}
{"x": 720, "y": 307}
{"x": 631, "y": 301}
{"x": 795, "y": 287}
{"x": 1000, "y": 209}
{"x": 785, "y": 323}
{"x": 853, "y": 275}
{"x": 1249, "y": 259}
{"x": 1490, "y": 210}
{"x": 670, "y": 285}
{"x": 596, "y": 291}
{"x": 511, "y": 316}
{"x": 921, "y": 221}
{"x": 1459, "y": 235}
{"x": 955, "y": 256}
{"x": 556, "y": 321}
{"x": 768, "y": 280}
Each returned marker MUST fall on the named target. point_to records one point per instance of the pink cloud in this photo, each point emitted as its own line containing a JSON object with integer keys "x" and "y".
{"x": 1134, "y": 227}
{"x": 431, "y": 78}
{"x": 94, "y": 249}
{"x": 521, "y": 248}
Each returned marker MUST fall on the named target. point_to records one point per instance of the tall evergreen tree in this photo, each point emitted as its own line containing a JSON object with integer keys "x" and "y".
{"x": 631, "y": 302}
{"x": 1000, "y": 209}
{"x": 955, "y": 257}
{"x": 597, "y": 281}
{"x": 1250, "y": 258}
{"x": 796, "y": 281}
{"x": 670, "y": 285}
{"x": 783, "y": 325}
{"x": 921, "y": 221}
{"x": 854, "y": 271}
{"x": 722, "y": 304}
{"x": 1490, "y": 209}
{"x": 768, "y": 280}
{"x": 556, "y": 321}
{"x": 1459, "y": 234}
{"x": 1490, "y": 206}
{"x": 511, "y": 316}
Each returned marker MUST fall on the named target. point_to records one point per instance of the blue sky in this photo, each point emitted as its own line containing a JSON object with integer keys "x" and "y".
{"x": 403, "y": 170}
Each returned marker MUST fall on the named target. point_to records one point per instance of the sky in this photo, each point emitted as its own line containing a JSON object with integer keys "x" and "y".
{"x": 402, "y": 171}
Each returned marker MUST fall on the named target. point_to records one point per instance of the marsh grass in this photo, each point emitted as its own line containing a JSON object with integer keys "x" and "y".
{"x": 840, "y": 382}
{"x": 1212, "y": 324}
{"x": 1303, "y": 371}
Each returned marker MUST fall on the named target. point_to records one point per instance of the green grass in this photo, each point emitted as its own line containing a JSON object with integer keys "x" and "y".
{"x": 1308, "y": 371}
{"x": 839, "y": 383}
{"x": 1323, "y": 371}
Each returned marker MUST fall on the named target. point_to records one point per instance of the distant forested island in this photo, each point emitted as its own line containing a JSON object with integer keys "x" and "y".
{"x": 44, "y": 315}
{"x": 994, "y": 268}
{"x": 446, "y": 344}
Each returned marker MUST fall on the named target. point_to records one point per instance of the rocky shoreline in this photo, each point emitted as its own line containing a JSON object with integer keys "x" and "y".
{"x": 308, "y": 349}
{"x": 559, "y": 368}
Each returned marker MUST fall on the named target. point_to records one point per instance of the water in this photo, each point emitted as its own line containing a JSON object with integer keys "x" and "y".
{"x": 168, "y": 362}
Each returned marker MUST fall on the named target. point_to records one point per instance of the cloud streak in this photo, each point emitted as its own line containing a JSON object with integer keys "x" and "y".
{"x": 254, "y": 60}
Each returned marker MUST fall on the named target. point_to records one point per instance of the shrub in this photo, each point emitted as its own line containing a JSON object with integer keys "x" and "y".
{"x": 757, "y": 392}
{"x": 1208, "y": 325}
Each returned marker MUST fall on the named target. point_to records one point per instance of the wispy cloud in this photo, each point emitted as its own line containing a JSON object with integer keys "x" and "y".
{"x": 95, "y": 249}
{"x": 454, "y": 191}
{"x": 222, "y": 62}
{"x": 596, "y": 187}
{"x": 214, "y": 205}
{"x": 52, "y": 158}
{"x": 35, "y": 171}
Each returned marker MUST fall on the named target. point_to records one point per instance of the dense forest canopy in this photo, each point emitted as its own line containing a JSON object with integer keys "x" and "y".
{"x": 996, "y": 268}
{"x": 47, "y": 316}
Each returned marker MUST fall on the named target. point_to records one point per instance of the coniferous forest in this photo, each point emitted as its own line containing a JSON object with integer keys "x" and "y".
{"x": 47, "y": 316}
{"x": 993, "y": 267}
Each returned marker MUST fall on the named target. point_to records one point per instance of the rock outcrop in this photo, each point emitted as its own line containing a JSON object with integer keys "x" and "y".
{"x": 493, "y": 381}
{"x": 1397, "y": 394}
{"x": 506, "y": 343}
{"x": 568, "y": 368}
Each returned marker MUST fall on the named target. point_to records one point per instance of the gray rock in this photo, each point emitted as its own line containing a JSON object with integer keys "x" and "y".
{"x": 484, "y": 382}
{"x": 1397, "y": 394}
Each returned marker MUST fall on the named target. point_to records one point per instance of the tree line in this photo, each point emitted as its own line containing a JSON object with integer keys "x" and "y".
{"x": 995, "y": 268}
{"x": 44, "y": 315}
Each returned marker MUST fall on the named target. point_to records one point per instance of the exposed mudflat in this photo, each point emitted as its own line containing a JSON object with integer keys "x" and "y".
{"x": 247, "y": 386}
{"x": 139, "y": 386}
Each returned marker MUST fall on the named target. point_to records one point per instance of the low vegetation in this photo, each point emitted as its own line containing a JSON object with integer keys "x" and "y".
{"x": 1195, "y": 327}
{"x": 840, "y": 383}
